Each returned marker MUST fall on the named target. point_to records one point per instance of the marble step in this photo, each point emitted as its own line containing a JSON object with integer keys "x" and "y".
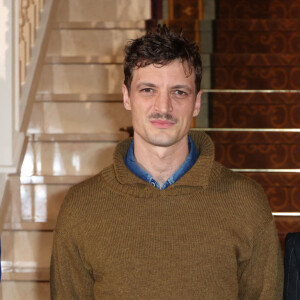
{"x": 25, "y": 255}
{"x": 36, "y": 200}
{"x": 93, "y": 42}
{"x": 12, "y": 290}
{"x": 90, "y": 78}
{"x": 67, "y": 158}
{"x": 113, "y": 59}
{"x": 78, "y": 78}
{"x": 88, "y": 24}
{"x": 76, "y": 97}
{"x": 34, "y": 206}
{"x": 105, "y": 10}
{"x": 78, "y": 117}
{"x": 84, "y": 59}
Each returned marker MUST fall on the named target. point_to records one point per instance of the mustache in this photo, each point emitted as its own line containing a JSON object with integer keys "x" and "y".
{"x": 166, "y": 116}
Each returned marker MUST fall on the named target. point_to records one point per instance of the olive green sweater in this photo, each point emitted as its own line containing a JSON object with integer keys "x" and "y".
{"x": 210, "y": 235}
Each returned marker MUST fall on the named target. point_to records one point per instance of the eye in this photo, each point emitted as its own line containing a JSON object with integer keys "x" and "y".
{"x": 180, "y": 93}
{"x": 147, "y": 90}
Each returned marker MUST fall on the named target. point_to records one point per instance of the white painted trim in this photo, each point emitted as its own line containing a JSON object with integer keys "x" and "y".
{"x": 18, "y": 144}
{"x": 3, "y": 180}
{"x": 16, "y": 91}
{"x": 36, "y": 52}
{"x": 4, "y": 201}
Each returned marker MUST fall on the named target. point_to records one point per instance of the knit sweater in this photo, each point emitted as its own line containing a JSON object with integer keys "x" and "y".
{"x": 210, "y": 235}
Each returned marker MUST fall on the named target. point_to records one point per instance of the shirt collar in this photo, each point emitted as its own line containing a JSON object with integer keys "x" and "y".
{"x": 132, "y": 165}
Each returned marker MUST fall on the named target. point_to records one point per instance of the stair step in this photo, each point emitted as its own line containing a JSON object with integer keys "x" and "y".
{"x": 111, "y": 59}
{"x": 77, "y": 78}
{"x": 255, "y": 110}
{"x": 26, "y": 274}
{"x": 90, "y": 78}
{"x": 268, "y": 78}
{"x": 262, "y": 137}
{"x": 255, "y": 59}
{"x": 258, "y": 9}
{"x": 66, "y": 158}
{"x": 36, "y": 200}
{"x": 78, "y": 117}
{"x": 85, "y": 59}
{"x": 91, "y": 43}
{"x": 140, "y": 24}
{"x": 255, "y": 97}
{"x": 34, "y": 206}
{"x": 282, "y": 189}
{"x": 25, "y": 254}
{"x": 256, "y": 116}
{"x": 256, "y": 42}
{"x": 286, "y": 225}
{"x": 105, "y": 10}
{"x": 259, "y": 25}
{"x": 257, "y": 150}
{"x": 50, "y": 179}
{"x": 82, "y": 97}
{"x": 12, "y": 290}
{"x": 65, "y": 137}
{"x": 258, "y": 156}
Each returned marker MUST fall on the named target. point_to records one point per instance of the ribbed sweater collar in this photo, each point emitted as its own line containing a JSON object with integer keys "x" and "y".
{"x": 198, "y": 176}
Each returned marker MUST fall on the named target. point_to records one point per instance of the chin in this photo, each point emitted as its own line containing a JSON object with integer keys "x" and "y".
{"x": 162, "y": 140}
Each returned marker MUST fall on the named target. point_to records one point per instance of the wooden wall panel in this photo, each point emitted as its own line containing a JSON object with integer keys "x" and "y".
{"x": 258, "y": 9}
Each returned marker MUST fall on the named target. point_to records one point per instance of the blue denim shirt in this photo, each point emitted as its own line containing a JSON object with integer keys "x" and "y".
{"x": 132, "y": 165}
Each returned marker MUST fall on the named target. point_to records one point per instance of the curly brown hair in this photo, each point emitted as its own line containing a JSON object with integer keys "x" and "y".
{"x": 160, "y": 47}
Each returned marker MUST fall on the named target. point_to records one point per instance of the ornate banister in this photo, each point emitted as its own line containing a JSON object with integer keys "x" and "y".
{"x": 29, "y": 21}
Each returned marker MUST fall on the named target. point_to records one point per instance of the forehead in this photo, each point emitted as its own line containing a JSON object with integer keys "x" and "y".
{"x": 173, "y": 71}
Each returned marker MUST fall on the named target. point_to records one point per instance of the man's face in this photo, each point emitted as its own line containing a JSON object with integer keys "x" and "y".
{"x": 163, "y": 103}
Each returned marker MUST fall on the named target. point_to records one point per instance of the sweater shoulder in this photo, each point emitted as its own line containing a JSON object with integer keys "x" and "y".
{"x": 79, "y": 201}
{"x": 245, "y": 194}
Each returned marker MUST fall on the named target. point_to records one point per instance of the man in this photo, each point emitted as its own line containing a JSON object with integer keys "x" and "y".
{"x": 165, "y": 221}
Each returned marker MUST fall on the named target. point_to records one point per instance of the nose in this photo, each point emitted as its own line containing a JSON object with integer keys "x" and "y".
{"x": 163, "y": 103}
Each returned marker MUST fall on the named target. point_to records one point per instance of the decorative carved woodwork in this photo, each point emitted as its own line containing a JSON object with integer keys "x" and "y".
{"x": 29, "y": 21}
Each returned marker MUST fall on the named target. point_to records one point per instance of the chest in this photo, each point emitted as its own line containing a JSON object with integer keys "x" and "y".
{"x": 146, "y": 246}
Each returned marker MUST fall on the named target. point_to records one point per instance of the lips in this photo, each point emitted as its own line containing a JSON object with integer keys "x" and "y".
{"x": 162, "y": 123}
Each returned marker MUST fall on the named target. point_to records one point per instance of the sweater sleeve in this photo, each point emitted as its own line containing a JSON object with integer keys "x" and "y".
{"x": 261, "y": 277}
{"x": 70, "y": 276}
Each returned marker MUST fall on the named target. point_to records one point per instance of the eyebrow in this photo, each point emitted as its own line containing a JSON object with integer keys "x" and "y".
{"x": 148, "y": 84}
{"x": 182, "y": 86}
{"x": 178, "y": 86}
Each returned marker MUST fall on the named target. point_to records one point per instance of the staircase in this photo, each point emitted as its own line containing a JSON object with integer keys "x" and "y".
{"x": 255, "y": 107}
{"x": 73, "y": 130}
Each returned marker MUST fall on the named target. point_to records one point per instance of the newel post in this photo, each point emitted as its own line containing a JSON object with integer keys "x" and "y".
{"x": 11, "y": 139}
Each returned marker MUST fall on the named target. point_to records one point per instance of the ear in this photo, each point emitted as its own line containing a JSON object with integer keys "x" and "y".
{"x": 126, "y": 98}
{"x": 197, "y": 104}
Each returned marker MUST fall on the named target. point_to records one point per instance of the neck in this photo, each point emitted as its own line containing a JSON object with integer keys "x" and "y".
{"x": 160, "y": 162}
